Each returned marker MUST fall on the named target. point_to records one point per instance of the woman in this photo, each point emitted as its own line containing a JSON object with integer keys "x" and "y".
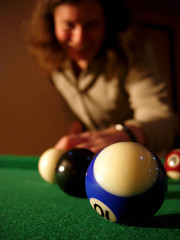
{"x": 101, "y": 65}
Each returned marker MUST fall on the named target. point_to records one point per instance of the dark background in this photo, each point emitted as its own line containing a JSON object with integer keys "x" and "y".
{"x": 31, "y": 116}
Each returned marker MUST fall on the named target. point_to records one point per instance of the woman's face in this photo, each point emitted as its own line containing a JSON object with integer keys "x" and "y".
{"x": 80, "y": 30}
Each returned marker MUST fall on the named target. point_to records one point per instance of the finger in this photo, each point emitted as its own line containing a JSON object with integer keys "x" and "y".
{"x": 70, "y": 141}
{"x": 63, "y": 143}
{"x": 76, "y": 128}
{"x": 91, "y": 146}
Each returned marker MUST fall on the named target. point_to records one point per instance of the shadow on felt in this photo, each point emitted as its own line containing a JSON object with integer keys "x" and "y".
{"x": 165, "y": 221}
{"x": 173, "y": 195}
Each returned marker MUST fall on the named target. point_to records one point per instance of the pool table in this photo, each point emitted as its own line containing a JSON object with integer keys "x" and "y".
{"x": 31, "y": 208}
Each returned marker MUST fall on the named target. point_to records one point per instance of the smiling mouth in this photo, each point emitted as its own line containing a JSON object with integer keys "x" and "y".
{"x": 79, "y": 49}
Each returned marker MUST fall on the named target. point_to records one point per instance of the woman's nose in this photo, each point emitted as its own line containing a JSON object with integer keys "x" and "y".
{"x": 78, "y": 34}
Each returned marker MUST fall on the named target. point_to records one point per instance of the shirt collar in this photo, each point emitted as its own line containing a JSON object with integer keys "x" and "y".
{"x": 87, "y": 77}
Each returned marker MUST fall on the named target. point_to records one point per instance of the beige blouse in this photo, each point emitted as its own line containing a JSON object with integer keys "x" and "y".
{"x": 105, "y": 94}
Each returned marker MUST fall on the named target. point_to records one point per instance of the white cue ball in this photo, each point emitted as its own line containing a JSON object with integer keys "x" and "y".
{"x": 47, "y": 164}
{"x": 125, "y": 169}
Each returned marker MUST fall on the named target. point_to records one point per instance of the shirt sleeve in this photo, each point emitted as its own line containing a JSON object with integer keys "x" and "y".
{"x": 149, "y": 98}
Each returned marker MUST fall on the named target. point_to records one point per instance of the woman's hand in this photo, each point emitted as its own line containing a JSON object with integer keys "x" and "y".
{"x": 94, "y": 141}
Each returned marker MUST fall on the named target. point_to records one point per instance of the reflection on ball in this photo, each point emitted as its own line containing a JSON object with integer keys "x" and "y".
{"x": 126, "y": 182}
{"x": 172, "y": 164}
{"x": 47, "y": 164}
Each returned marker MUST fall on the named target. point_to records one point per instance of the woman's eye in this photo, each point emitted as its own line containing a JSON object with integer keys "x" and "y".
{"x": 68, "y": 25}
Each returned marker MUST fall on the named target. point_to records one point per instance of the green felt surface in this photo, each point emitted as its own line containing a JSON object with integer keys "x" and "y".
{"x": 33, "y": 209}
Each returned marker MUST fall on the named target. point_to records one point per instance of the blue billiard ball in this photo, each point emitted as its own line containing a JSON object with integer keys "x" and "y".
{"x": 126, "y": 183}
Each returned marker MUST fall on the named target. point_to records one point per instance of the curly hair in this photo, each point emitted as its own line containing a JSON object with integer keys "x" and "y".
{"x": 121, "y": 33}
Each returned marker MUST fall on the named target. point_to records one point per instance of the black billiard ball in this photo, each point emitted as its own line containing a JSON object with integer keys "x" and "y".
{"x": 71, "y": 171}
